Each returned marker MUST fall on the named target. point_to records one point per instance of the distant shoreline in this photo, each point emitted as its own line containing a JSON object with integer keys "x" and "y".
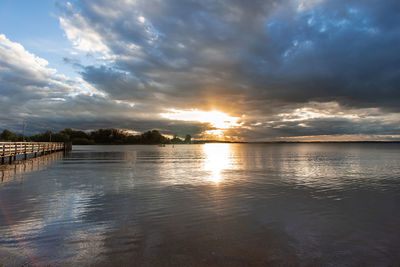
{"x": 154, "y": 137}
{"x": 266, "y": 142}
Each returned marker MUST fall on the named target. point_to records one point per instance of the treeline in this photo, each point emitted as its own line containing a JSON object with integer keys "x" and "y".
{"x": 101, "y": 136}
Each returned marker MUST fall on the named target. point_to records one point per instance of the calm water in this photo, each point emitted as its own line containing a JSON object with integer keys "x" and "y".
{"x": 204, "y": 205}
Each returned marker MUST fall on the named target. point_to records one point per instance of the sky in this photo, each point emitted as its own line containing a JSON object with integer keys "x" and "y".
{"x": 292, "y": 70}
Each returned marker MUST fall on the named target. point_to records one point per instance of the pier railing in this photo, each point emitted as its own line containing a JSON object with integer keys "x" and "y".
{"x": 13, "y": 149}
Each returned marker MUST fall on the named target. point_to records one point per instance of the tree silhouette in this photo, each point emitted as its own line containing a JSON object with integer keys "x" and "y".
{"x": 100, "y": 136}
{"x": 7, "y": 135}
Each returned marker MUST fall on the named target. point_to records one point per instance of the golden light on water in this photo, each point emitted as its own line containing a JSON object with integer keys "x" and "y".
{"x": 217, "y": 159}
{"x": 216, "y": 118}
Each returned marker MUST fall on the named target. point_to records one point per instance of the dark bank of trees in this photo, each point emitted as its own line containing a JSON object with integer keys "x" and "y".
{"x": 101, "y": 136}
{"x": 6, "y": 135}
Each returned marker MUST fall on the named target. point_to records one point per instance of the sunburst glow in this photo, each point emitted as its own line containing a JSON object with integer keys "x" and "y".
{"x": 216, "y": 118}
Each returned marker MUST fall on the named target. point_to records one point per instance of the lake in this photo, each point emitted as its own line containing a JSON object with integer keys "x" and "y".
{"x": 204, "y": 205}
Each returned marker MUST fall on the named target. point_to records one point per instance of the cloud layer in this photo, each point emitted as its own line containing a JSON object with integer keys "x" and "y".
{"x": 288, "y": 69}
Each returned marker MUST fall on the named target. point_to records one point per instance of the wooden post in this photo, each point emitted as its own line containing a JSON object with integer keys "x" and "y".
{"x": 3, "y": 154}
{"x": 25, "y": 152}
{"x": 67, "y": 147}
{"x": 15, "y": 152}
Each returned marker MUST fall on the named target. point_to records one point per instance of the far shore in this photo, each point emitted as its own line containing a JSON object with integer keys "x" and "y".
{"x": 264, "y": 142}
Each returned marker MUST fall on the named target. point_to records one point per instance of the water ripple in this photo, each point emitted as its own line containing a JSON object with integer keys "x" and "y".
{"x": 214, "y": 204}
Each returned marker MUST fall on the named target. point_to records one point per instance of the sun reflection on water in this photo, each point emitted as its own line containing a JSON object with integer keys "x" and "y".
{"x": 217, "y": 159}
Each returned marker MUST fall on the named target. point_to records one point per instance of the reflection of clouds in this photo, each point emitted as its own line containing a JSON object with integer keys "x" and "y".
{"x": 59, "y": 222}
{"x": 72, "y": 215}
{"x": 320, "y": 166}
{"x": 45, "y": 213}
{"x": 19, "y": 233}
{"x": 217, "y": 158}
{"x": 130, "y": 156}
{"x": 89, "y": 244}
{"x": 179, "y": 164}
{"x": 14, "y": 171}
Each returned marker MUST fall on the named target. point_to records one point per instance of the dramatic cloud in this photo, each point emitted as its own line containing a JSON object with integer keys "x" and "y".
{"x": 288, "y": 69}
{"x": 26, "y": 79}
{"x": 31, "y": 91}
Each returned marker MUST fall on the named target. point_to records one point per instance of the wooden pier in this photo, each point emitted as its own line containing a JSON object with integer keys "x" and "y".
{"x": 13, "y": 150}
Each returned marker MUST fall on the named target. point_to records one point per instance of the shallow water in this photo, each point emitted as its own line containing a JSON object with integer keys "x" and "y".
{"x": 204, "y": 205}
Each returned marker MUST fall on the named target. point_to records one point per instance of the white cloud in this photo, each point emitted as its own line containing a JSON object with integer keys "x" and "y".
{"x": 23, "y": 72}
{"x": 83, "y": 36}
{"x": 14, "y": 55}
{"x": 304, "y": 5}
{"x": 315, "y": 110}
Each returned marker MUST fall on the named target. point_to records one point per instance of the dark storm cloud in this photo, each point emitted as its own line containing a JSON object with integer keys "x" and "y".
{"x": 334, "y": 50}
{"x": 342, "y": 50}
{"x": 120, "y": 85}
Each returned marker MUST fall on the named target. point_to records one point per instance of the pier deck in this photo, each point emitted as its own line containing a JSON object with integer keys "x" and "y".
{"x": 11, "y": 150}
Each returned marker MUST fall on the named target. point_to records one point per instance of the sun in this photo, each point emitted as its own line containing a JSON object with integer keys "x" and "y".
{"x": 217, "y": 119}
